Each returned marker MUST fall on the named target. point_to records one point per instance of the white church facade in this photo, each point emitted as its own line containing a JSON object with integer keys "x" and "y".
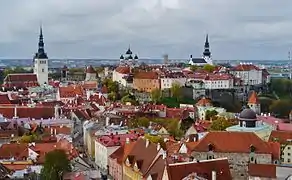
{"x": 205, "y": 59}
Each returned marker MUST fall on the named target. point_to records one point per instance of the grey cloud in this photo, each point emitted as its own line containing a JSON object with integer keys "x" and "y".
{"x": 95, "y": 28}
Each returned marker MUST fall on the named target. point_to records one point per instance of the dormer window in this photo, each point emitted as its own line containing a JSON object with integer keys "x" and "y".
{"x": 252, "y": 148}
{"x": 210, "y": 147}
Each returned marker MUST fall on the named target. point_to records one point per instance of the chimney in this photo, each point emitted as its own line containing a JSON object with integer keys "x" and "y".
{"x": 127, "y": 140}
{"x": 52, "y": 131}
{"x": 269, "y": 114}
{"x": 213, "y": 175}
{"x": 15, "y": 111}
{"x": 158, "y": 146}
{"x": 107, "y": 121}
{"x": 55, "y": 131}
{"x": 147, "y": 143}
{"x": 87, "y": 95}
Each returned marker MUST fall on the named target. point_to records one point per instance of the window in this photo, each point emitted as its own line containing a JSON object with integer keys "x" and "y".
{"x": 289, "y": 154}
{"x": 288, "y": 148}
{"x": 43, "y": 70}
{"x": 288, "y": 160}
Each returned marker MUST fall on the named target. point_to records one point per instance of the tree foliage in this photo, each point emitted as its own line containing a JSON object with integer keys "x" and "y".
{"x": 156, "y": 139}
{"x": 173, "y": 129}
{"x": 281, "y": 108}
{"x": 220, "y": 124}
{"x": 29, "y": 138}
{"x": 156, "y": 95}
{"x": 56, "y": 163}
{"x": 129, "y": 99}
{"x": 175, "y": 91}
{"x": 111, "y": 85}
{"x": 210, "y": 114}
{"x": 194, "y": 68}
{"x": 209, "y": 68}
{"x": 282, "y": 87}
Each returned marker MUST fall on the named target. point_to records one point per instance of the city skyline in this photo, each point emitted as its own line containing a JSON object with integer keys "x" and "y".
{"x": 104, "y": 29}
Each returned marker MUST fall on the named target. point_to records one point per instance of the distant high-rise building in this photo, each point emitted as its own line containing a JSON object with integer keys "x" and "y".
{"x": 40, "y": 60}
{"x": 165, "y": 59}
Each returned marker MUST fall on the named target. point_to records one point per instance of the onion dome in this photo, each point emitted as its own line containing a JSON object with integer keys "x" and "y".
{"x": 130, "y": 57}
{"x": 136, "y": 57}
{"x": 122, "y": 57}
{"x": 248, "y": 114}
{"x": 129, "y": 52}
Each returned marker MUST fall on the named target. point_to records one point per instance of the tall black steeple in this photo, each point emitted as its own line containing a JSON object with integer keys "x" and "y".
{"x": 41, "y": 54}
{"x": 207, "y": 52}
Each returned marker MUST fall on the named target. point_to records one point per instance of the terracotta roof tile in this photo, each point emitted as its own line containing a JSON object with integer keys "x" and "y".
{"x": 245, "y": 67}
{"x": 203, "y": 169}
{"x": 90, "y": 70}
{"x": 37, "y": 112}
{"x": 238, "y": 142}
{"x": 70, "y": 91}
{"x": 18, "y": 151}
{"x": 4, "y": 99}
{"x": 20, "y": 80}
{"x": 146, "y": 75}
{"x": 280, "y": 136}
{"x": 123, "y": 69}
{"x": 262, "y": 170}
{"x": 122, "y": 152}
{"x": 204, "y": 102}
{"x": 253, "y": 99}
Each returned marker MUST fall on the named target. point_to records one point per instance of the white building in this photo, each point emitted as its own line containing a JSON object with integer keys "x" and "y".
{"x": 120, "y": 74}
{"x": 248, "y": 73}
{"x": 174, "y": 78}
{"x": 41, "y": 66}
{"x": 205, "y": 59}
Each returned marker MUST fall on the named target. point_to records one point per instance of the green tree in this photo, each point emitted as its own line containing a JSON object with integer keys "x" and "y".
{"x": 210, "y": 114}
{"x": 56, "y": 164}
{"x": 209, "y": 68}
{"x": 156, "y": 139}
{"x": 281, "y": 108}
{"x": 156, "y": 95}
{"x": 175, "y": 91}
{"x": 186, "y": 124}
{"x": 220, "y": 124}
{"x": 30, "y": 138}
{"x": 129, "y": 98}
{"x": 194, "y": 68}
{"x": 112, "y": 96}
{"x": 139, "y": 122}
{"x": 174, "y": 129}
{"x": 111, "y": 85}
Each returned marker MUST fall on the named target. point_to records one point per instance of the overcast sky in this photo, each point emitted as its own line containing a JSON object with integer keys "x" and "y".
{"x": 238, "y": 29}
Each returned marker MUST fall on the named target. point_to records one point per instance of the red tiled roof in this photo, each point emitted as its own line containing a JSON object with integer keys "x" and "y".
{"x": 253, "y": 99}
{"x": 89, "y": 85}
{"x": 262, "y": 170}
{"x": 4, "y": 99}
{"x": 20, "y": 80}
{"x": 18, "y": 151}
{"x": 202, "y": 169}
{"x": 70, "y": 91}
{"x": 116, "y": 139}
{"x": 122, "y": 152}
{"x": 90, "y": 70}
{"x": 123, "y": 69}
{"x": 146, "y": 75}
{"x": 37, "y": 112}
{"x": 245, "y": 67}
{"x": 280, "y": 136}
{"x": 17, "y": 167}
{"x": 238, "y": 142}
{"x": 204, "y": 102}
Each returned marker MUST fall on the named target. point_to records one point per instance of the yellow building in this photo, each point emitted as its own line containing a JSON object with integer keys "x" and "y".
{"x": 285, "y": 139}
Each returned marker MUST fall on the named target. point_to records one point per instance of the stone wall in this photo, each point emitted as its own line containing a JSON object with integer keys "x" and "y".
{"x": 238, "y": 162}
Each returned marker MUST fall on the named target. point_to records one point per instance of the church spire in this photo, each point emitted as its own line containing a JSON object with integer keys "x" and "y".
{"x": 41, "y": 47}
{"x": 207, "y": 52}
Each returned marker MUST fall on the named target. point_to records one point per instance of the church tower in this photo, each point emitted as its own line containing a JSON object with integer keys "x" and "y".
{"x": 253, "y": 103}
{"x": 40, "y": 60}
{"x": 207, "y": 53}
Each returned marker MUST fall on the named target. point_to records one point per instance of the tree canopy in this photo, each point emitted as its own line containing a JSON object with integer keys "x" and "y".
{"x": 209, "y": 68}
{"x": 175, "y": 91}
{"x": 220, "y": 124}
{"x": 156, "y": 95}
{"x": 56, "y": 163}
{"x": 111, "y": 85}
{"x": 156, "y": 139}
{"x": 210, "y": 114}
{"x": 281, "y": 108}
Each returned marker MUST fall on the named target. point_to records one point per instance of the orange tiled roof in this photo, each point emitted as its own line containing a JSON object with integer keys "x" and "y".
{"x": 122, "y": 152}
{"x": 90, "y": 69}
{"x": 280, "y": 136}
{"x": 204, "y": 102}
{"x": 253, "y": 99}
{"x": 146, "y": 75}
{"x": 203, "y": 169}
{"x": 245, "y": 67}
{"x": 4, "y": 99}
{"x": 18, "y": 151}
{"x": 70, "y": 91}
{"x": 37, "y": 112}
{"x": 123, "y": 69}
{"x": 262, "y": 170}
{"x": 238, "y": 142}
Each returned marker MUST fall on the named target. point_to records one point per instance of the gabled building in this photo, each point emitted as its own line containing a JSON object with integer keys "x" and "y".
{"x": 242, "y": 149}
